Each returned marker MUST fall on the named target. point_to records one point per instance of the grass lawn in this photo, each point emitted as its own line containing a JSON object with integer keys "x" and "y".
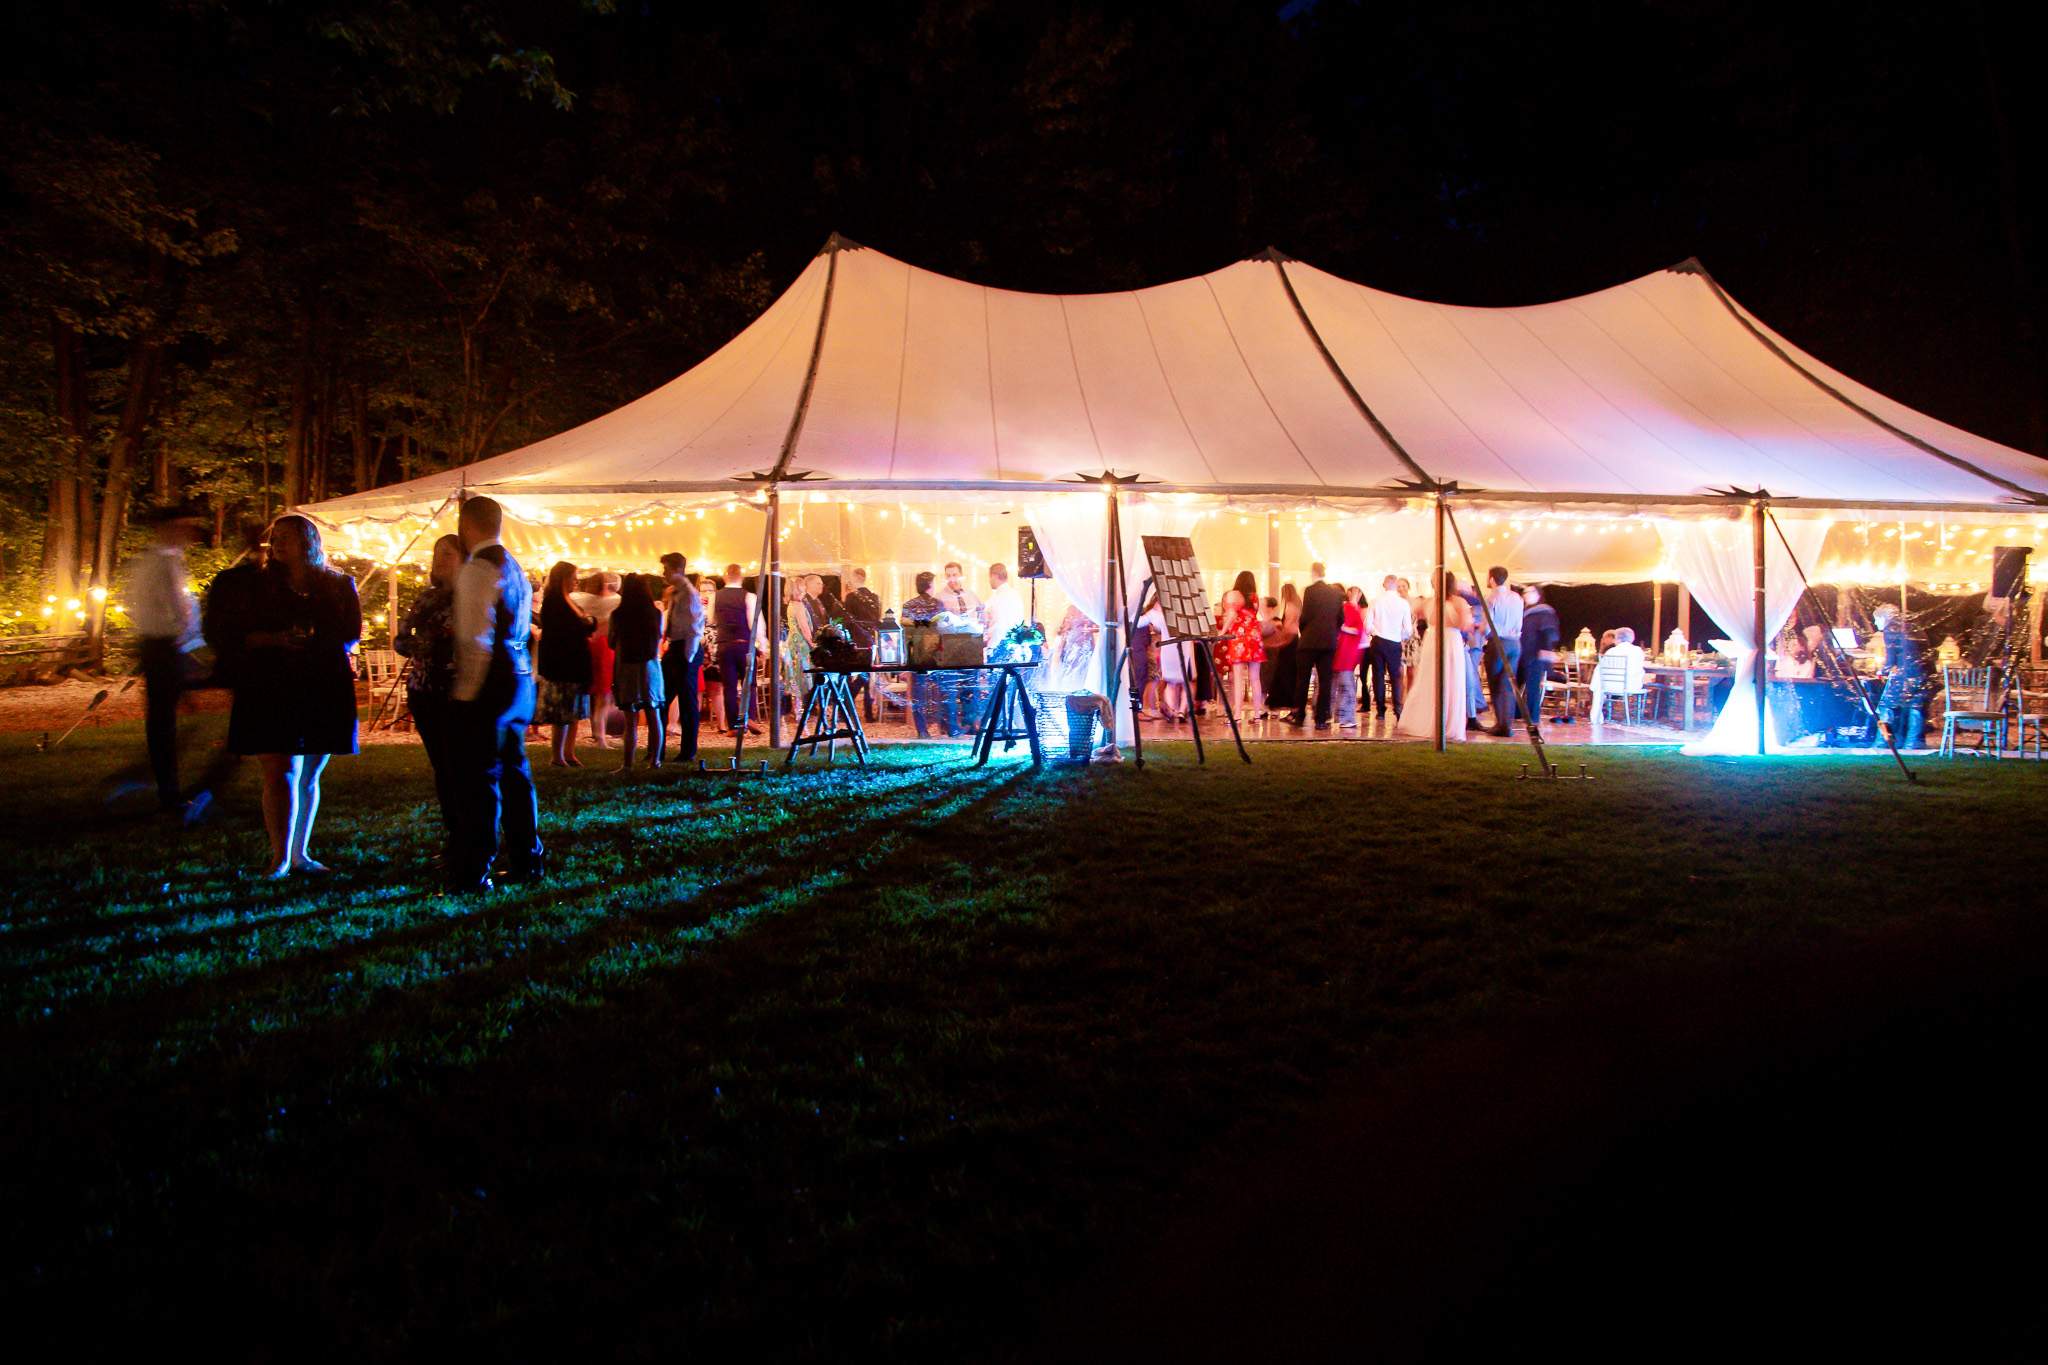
{"x": 845, "y": 1064}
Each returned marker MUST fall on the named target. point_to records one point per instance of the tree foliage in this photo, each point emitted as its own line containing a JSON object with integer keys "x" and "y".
{"x": 259, "y": 252}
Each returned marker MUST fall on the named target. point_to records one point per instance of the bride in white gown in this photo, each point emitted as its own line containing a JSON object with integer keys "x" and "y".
{"x": 1415, "y": 718}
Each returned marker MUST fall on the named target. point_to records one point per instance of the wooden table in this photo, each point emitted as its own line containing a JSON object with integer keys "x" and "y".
{"x": 1688, "y": 675}
{"x": 831, "y": 715}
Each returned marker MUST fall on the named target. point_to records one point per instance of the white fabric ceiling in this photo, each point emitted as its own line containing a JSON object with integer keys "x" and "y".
{"x": 1654, "y": 389}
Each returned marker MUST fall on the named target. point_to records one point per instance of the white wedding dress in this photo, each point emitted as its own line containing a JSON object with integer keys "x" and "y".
{"x": 1415, "y": 718}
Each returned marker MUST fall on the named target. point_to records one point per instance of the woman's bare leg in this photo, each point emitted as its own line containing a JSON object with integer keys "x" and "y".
{"x": 304, "y": 808}
{"x": 280, "y": 787}
{"x": 655, "y": 738}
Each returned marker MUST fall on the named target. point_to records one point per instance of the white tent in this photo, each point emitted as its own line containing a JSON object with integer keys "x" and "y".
{"x": 1266, "y": 386}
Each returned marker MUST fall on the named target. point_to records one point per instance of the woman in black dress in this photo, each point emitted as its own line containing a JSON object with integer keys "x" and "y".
{"x": 427, "y": 640}
{"x": 636, "y": 665}
{"x": 565, "y": 670}
{"x": 295, "y": 690}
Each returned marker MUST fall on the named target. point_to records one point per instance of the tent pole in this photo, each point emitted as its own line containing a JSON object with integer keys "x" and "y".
{"x": 1684, "y": 621}
{"x": 1112, "y": 581}
{"x": 1272, "y": 557}
{"x": 1438, "y": 627}
{"x": 771, "y": 607}
{"x": 391, "y": 634}
{"x": 1656, "y": 617}
{"x": 1756, "y": 530}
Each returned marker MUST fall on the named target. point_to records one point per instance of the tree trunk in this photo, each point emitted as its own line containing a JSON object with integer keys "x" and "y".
{"x": 62, "y": 543}
{"x": 298, "y": 433}
{"x": 137, "y": 401}
{"x": 359, "y": 435}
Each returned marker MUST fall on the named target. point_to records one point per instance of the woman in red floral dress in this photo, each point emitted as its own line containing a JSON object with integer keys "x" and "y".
{"x": 1241, "y": 651}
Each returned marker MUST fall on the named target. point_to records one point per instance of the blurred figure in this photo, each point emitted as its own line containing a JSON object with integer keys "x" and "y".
{"x": 166, "y": 620}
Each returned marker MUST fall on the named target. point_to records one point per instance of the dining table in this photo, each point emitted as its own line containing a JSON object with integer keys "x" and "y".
{"x": 1688, "y": 676}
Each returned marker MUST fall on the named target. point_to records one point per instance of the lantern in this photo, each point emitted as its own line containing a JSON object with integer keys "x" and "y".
{"x": 889, "y": 642}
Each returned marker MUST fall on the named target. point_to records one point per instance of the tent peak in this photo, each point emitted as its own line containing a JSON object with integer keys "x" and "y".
{"x": 1689, "y": 266}
{"x": 1274, "y": 254}
{"x": 836, "y": 243}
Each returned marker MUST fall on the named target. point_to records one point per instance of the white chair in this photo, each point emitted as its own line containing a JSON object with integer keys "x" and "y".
{"x": 1610, "y": 685}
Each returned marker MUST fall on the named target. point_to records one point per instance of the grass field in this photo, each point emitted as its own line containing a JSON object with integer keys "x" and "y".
{"x": 846, "y": 1064}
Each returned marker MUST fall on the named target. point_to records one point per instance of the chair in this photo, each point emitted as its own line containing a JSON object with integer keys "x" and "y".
{"x": 1610, "y": 684}
{"x": 1577, "y": 693}
{"x": 2029, "y": 722}
{"x": 1971, "y": 700}
{"x": 379, "y": 666}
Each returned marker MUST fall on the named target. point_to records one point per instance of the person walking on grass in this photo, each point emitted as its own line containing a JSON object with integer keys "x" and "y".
{"x": 295, "y": 684}
{"x": 166, "y": 620}
{"x": 492, "y": 704}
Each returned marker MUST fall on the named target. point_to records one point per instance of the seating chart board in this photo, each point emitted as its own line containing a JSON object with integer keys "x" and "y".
{"x": 1178, "y": 581}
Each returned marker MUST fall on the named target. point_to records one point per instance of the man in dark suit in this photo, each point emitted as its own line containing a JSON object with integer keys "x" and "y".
{"x": 491, "y": 706}
{"x": 1322, "y": 621}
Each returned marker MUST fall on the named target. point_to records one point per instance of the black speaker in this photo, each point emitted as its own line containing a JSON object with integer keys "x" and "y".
{"x": 1030, "y": 559}
{"x": 2009, "y": 569}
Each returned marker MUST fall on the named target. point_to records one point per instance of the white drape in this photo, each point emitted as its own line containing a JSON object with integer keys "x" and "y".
{"x": 1073, "y": 531}
{"x": 1716, "y": 562}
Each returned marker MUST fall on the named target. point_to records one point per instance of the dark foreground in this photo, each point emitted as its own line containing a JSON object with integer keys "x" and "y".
{"x": 1825, "y": 1148}
{"x": 1357, "y": 1050}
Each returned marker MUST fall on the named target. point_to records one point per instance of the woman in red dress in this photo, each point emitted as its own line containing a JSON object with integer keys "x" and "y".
{"x": 1242, "y": 651}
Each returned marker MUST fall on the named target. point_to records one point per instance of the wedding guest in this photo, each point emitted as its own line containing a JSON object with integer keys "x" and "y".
{"x": 563, "y": 697}
{"x": 1540, "y": 638}
{"x": 711, "y": 705}
{"x": 800, "y": 635}
{"x": 1319, "y": 620}
{"x": 636, "y": 666}
{"x": 1283, "y": 649}
{"x": 295, "y": 687}
{"x": 1242, "y": 653}
{"x": 733, "y": 611}
{"x": 1504, "y": 653}
{"x": 863, "y": 615}
{"x": 1631, "y": 654}
{"x": 683, "y": 618}
{"x": 1390, "y": 628}
{"x": 426, "y": 640}
{"x": 1172, "y": 674}
{"x": 956, "y": 596}
{"x": 166, "y": 620}
{"x": 1411, "y": 648}
{"x": 497, "y": 819}
{"x": 1344, "y": 665}
{"x": 597, "y": 605}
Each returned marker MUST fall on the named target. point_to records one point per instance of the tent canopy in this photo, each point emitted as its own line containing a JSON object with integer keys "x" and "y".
{"x": 1268, "y": 378}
